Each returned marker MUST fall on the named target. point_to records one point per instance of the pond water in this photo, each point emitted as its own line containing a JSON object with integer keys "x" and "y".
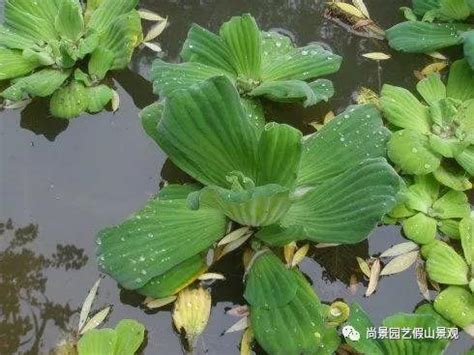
{"x": 61, "y": 182}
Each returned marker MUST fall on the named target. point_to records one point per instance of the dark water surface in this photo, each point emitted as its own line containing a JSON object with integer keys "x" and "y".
{"x": 61, "y": 182}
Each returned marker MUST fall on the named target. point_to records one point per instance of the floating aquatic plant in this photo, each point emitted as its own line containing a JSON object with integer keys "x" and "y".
{"x": 260, "y": 64}
{"x": 58, "y": 49}
{"x": 439, "y": 27}
{"x": 435, "y": 136}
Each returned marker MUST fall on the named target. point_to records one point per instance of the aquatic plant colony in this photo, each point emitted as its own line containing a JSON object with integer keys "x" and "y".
{"x": 265, "y": 188}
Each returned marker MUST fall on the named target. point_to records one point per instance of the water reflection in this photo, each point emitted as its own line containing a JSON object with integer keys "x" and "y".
{"x": 25, "y": 310}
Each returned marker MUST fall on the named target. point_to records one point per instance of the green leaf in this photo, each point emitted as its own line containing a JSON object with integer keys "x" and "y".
{"x": 411, "y": 151}
{"x": 107, "y": 12}
{"x": 13, "y": 40}
{"x": 279, "y": 154}
{"x": 469, "y": 47}
{"x": 351, "y": 137}
{"x": 98, "y": 97}
{"x": 269, "y": 283}
{"x": 422, "y": 37}
{"x": 444, "y": 265}
{"x": 422, "y": 194}
{"x": 420, "y": 7}
{"x": 151, "y": 116}
{"x": 242, "y": 36}
{"x": 276, "y": 235}
{"x": 346, "y": 208}
{"x": 295, "y": 91}
{"x": 303, "y": 63}
{"x": 420, "y": 228}
{"x": 456, "y": 304}
{"x": 13, "y": 64}
{"x": 360, "y": 321}
{"x": 69, "y": 22}
{"x": 257, "y": 206}
{"x": 296, "y": 327}
{"x": 453, "y": 204}
{"x": 204, "y": 47}
{"x": 449, "y": 227}
{"x": 274, "y": 45}
{"x": 32, "y": 20}
{"x": 447, "y": 147}
{"x": 130, "y": 336}
{"x": 432, "y": 88}
{"x": 454, "y": 178}
{"x": 466, "y": 159}
{"x": 98, "y": 341}
{"x": 42, "y": 83}
{"x": 461, "y": 81}
{"x": 157, "y": 238}
{"x": 208, "y": 120}
{"x": 466, "y": 230}
{"x": 454, "y": 9}
{"x": 70, "y": 101}
{"x": 404, "y": 110}
{"x": 168, "y": 77}
{"x": 175, "y": 279}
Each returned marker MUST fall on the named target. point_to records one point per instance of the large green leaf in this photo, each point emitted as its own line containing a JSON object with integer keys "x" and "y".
{"x": 174, "y": 279}
{"x": 269, "y": 283}
{"x": 469, "y": 48}
{"x": 157, "y": 238}
{"x": 205, "y": 47}
{"x": 70, "y": 101}
{"x": 243, "y": 38}
{"x": 256, "y": 206}
{"x": 444, "y": 265}
{"x": 168, "y": 77}
{"x": 279, "y": 154}
{"x": 13, "y": 64}
{"x": 42, "y": 83}
{"x": 69, "y": 22}
{"x": 108, "y": 11}
{"x": 295, "y": 91}
{"x": 130, "y": 336}
{"x": 421, "y": 37}
{"x": 360, "y": 321}
{"x": 412, "y": 152}
{"x": 31, "y": 19}
{"x": 346, "y": 208}
{"x": 351, "y": 137}
{"x": 303, "y": 63}
{"x": 205, "y": 131}
{"x": 456, "y": 304}
{"x": 404, "y": 110}
{"x": 296, "y": 327}
{"x": 461, "y": 81}
{"x": 274, "y": 45}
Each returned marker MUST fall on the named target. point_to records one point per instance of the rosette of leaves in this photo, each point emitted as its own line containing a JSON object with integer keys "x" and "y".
{"x": 435, "y": 136}
{"x": 440, "y": 25}
{"x": 333, "y": 186}
{"x": 260, "y": 64}
{"x": 429, "y": 207}
{"x": 45, "y": 46}
{"x": 425, "y": 319}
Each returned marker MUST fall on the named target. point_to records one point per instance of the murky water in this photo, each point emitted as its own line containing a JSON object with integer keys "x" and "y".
{"x": 61, "y": 182}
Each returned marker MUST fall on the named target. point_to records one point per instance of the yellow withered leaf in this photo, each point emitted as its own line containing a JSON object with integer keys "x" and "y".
{"x": 211, "y": 276}
{"x": 328, "y": 117}
{"x": 361, "y": 6}
{"x": 377, "y": 56}
{"x": 289, "y": 252}
{"x": 367, "y": 96}
{"x": 191, "y": 313}
{"x": 246, "y": 343}
{"x": 160, "y": 302}
{"x": 299, "y": 255}
{"x": 364, "y": 266}
{"x": 156, "y": 30}
{"x": 348, "y": 9}
{"x": 437, "y": 55}
{"x": 374, "y": 278}
{"x": 433, "y": 68}
{"x": 149, "y": 15}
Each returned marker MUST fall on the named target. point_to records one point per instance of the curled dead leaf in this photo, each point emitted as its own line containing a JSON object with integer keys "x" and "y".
{"x": 289, "y": 252}
{"x": 299, "y": 255}
{"x": 433, "y": 68}
{"x": 149, "y": 15}
{"x": 115, "y": 101}
{"x": 359, "y": 4}
{"x": 348, "y": 9}
{"x": 153, "y": 46}
{"x": 354, "y": 284}
{"x": 246, "y": 343}
{"x": 234, "y": 245}
{"x": 156, "y": 30}
{"x": 87, "y": 305}
{"x": 374, "y": 278}
{"x": 364, "y": 266}
{"x": 399, "y": 249}
{"x": 400, "y": 263}
{"x": 422, "y": 281}
{"x": 437, "y": 55}
{"x": 377, "y": 56}
{"x": 96, "y": 320}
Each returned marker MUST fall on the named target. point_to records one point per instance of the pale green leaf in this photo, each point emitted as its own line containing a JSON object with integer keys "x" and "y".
{"x": 469, "y": 47}
{"x": 98, "y": 97}
{"x": 454, "y": 9}
{"x": 466, "y": 159}
{"x": 130, "y": 336}
{"x": 432, "y": 88}
{"x": 274, "y": 45}
{"x": 461, "y": 81}
{"x": 455, "y": 178}
{"x": 444, "y": 265}
{"x": 13, "y": 64}
{"x": 422, "y": 194}
{"x": 70, "y": 101}
{"x": 96, "y": 342}
{"x": 449, "y": 227}
{"x": 453, "y": 204}
{"x": 108, "y": 11}
{"x": 13, "y": 40}
{"x": 420, "y": 7}
{"x": 69, "y": 22}
{"x": 420, "y": 228}
{"x": 360, "y": 321}
{"x": 456, "y": 304}
{"x": 150, "y": 117}
{"x": 466, "y": 229}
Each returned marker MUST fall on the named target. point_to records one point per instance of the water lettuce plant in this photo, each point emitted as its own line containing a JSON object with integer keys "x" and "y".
{"x": 56, "y": 48}
{"x": 401, "y": 339}
{"x": 435, "y": 136}
{"x": 260, "y": 64}
{"x": 441, "y": 26}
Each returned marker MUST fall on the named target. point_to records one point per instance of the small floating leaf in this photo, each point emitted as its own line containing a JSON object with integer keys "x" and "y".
{"x": 149, "y": 15}
{"x": 233, "y": 236}
{"x": 211, "y": 276}
{"x": 96, "y": 320}
{"x": 377, "y": 56}
{"x": 86, "y": 306}
{"x": 191, "y": 313}
{"x": 364, "y": 266}
{"x": 156, "y": 30}
{"x": 400, "y": 263}
{"x": 241, "y": 324}
{"x": 399, "y": 249}
{"x": 374, "y": 278}
{"x": 299, "y": 255}
{"x": 153, "y": 46}
{"x": 161, "y": 302}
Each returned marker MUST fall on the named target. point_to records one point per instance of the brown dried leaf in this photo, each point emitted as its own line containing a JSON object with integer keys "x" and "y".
{"x": 422, "y": 281}
{"x": 354, "y": 284}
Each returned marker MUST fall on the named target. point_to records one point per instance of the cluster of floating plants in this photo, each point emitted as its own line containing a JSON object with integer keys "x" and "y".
{"x": 62, "y": 50}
